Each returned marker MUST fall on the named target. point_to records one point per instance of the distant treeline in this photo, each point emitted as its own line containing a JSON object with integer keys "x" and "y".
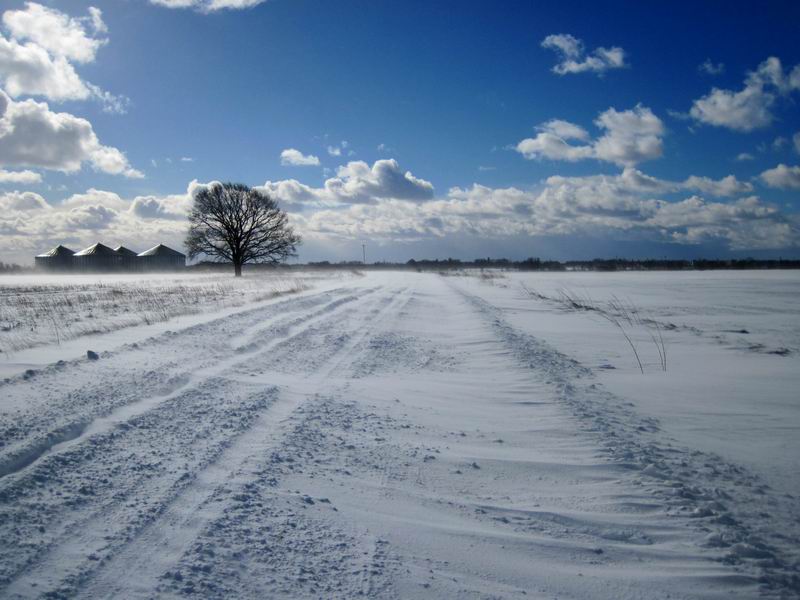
{"x": 536, "y": 264}
{"x": 529, "y": 264}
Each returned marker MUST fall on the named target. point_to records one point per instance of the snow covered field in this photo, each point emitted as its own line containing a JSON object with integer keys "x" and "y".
{"x": 37, "y": 310}
{"x": 414, "y": 435}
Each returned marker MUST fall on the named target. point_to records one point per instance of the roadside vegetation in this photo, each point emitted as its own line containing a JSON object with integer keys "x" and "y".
{"x": 39, "y": 311}
{"x": 622, "y": 314}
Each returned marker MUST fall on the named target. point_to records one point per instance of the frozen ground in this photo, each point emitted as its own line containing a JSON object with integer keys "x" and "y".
{"x": 412, "y": 435}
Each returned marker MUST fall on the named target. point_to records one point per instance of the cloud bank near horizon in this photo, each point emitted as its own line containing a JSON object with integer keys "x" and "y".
{"x": 386, "y": 205}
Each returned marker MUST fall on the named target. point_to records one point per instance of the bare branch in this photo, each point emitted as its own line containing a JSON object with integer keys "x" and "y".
{"x": 236, "y": 223}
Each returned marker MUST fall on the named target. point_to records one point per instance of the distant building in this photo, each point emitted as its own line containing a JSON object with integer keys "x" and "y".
{"x": 161, "y": 258}
{"x": 58, "y": 259}
{"x": 99, "y": 258}
{"x": 127, "y": 259}
{"x": 96, "y": 257}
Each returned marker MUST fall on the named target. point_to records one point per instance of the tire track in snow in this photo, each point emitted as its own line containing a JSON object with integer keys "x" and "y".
{"x": 149, "y": 555}
{"x": 63, "y": 397}
{"x": 75, "y": 432}
{"x": 252, "y": 466}
{"x": 54, "y": 562}
{"x": 720, "y": 500}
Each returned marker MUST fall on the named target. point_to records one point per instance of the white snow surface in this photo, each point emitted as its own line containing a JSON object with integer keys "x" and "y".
{"x": 410, "y": 435}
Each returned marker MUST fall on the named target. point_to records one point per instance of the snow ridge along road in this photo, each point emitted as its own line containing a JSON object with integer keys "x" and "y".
{"x": 393, "y": 437}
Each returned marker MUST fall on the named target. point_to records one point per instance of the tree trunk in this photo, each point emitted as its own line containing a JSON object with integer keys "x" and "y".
{"x": 237, "y": 269}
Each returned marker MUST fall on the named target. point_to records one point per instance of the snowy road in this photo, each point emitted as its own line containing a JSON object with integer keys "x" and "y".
{"x": 397, "y": 436}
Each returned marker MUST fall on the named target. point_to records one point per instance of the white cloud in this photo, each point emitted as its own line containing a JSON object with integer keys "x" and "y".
{"x": 796, "y": 142}
{"x": 59, "y": 34}
{"x": 709, "y": 68}
{"x": 633, "y": 182}
{"x": 295, "y": 194}
{"x": 744, "y": 111}
{"x": 624, "y": 206}
{"x": 751, "y": 107}
{"x": 162, "y": 207}
{"x": 30, "y": 70}
{"x": 23, "y": 177}
{"x": 743, "y": 156}
{"x": 340, "y": 149}
{"x": 727, "y": 186}
{"x": 208, "y": 5}
{"x": 355, "y": 183}
{"x": 113, "y": 104}
{"x": 574, "y": 59}
{"x": 37, "y": 59}
{"x": 95, "y": 197}
{"x": 560, "y": 209}
{"x": 31, "y": 135}
{"x": 565, "y": 130}
{"x": 295, "y": 158}
{"x": 621, "y": 207}
{"x": 21, "y": 201}
{"x": 782, "y": 177}
{"x": 96, "y": 19}
{"x": 550, "y": 145}
{"x": 631, "y": 136}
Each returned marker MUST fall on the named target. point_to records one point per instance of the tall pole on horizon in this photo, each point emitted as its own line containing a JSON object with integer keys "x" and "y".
{"x": 364, "y": 252}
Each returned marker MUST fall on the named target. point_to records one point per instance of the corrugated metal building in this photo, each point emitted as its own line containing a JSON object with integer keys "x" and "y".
{"x": 128, "y": 260}
{"x": 57, "y": 259}
{"x": 100, "y": 258}
{"x": 161, "y": 258}
{"x": 97, "y": 257}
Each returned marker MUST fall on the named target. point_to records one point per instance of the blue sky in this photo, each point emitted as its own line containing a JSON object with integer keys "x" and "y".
{"x": 425, "y": 129}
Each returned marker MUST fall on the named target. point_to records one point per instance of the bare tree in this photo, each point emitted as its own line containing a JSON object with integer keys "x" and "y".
{"x": 234, "y": 222}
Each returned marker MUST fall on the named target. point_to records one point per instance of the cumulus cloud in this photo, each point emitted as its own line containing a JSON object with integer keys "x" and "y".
{"x": 629, "y": 205}
{"x": 31, "y": 135}
{"x": 727, "y": 186}
{"x": 37, "y": 59}
{"x": 208, "y": 5}
{"x": 630, "y": 136}
{"x": 30, "y": 70}
{"x": 633, "y": 182}
{"x": 56, "y": 32}
{"x": 782, "y": 177}
{"x": 559, "y": 209}
{"x": 357, "y": 182}
{"x": 22, "y": 201}
{"x": 574, "y": 59}
{"x": 294, "y": 158}
{"x": 743, "y": 156}
{"x": 94, "y": 197}
{"x": 24, "y": 177}
{"x": 162, "y": 207}
{"x": 354, "y": 183}
{"x": 751, "y": 107}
